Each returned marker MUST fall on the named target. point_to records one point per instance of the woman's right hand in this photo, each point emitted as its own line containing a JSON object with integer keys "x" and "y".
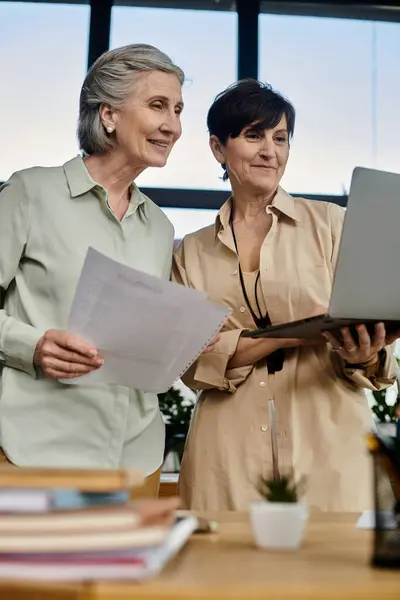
{"x": 62, "y": 355}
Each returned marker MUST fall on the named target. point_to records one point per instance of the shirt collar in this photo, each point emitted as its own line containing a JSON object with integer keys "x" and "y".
{"x": 282, "y": 202}
{"x": 80, "y": 182}
{"x": 286, "y": 204}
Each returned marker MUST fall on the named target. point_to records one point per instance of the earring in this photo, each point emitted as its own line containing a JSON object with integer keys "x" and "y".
{"x": 109, "y": 129}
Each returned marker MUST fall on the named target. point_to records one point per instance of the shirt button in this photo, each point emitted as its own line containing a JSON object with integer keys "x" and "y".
{"x": 262, "y": 383}
{"x": 234, "y": 272}
{"x": 242, "y": 309}
{"x": 264, "y": 428}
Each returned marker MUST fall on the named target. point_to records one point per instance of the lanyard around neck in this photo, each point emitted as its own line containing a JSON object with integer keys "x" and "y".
{"x": 260, "y": 320}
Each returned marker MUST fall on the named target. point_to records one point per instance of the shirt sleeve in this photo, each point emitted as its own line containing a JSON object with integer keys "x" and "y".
{"x": 17, "y": 339}
{"x": 166, "y": 270}
{"x": 376, "y": 377}
{"x": 381, "y": 374}
{"x": 211, "y": 369}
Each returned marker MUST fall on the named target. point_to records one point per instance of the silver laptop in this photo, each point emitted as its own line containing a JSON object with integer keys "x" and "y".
{"x": 366, "y": 286}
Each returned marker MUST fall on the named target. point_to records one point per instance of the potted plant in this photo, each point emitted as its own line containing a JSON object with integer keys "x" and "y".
{"x": 279, "y": 519}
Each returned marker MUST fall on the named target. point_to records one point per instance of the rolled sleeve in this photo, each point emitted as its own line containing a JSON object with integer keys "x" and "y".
{"x": 375, "y": 377}
{"x": 211, "y": 368}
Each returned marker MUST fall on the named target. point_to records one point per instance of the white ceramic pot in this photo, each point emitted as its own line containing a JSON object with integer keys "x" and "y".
{"x": 278, "y": 526}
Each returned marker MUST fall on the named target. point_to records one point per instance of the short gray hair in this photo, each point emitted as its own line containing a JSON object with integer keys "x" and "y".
{"x": 110, "y": 80}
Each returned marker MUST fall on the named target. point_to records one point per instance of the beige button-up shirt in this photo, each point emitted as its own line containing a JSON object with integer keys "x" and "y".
{"x": 48, "y": 219}
{"x": 322, "y": 410}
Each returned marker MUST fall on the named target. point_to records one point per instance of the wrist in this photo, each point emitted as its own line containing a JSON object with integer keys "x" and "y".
{"x": 36, "y": 353}
{"x": 371, "y": 362}
{"x": 282, "y": 343}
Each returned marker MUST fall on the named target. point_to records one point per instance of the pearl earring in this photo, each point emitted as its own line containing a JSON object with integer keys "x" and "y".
{"x": 110, "y": 129}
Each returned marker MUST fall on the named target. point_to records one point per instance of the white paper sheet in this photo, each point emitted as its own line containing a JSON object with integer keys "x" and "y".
{"x": 149, "y": 331}
{"x": 367, "y": 520}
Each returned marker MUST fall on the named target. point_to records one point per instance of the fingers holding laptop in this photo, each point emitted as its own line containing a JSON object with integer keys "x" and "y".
{"x": 361, "y": 351}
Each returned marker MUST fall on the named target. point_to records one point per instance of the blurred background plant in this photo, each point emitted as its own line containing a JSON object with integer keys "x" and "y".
{"x": 385, "y": 406}
{"x": 176, "y": 408}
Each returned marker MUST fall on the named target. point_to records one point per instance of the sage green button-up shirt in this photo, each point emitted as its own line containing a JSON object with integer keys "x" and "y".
{"x": 48, "y": 219}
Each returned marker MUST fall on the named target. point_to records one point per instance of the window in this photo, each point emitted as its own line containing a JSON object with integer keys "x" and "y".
{"x": 342, "y": 76}
{"x": 188, "y": 220}
{"x": 387, "y": 91}
{"x": 203, "y": 44}
{"x": 43, "y": 54}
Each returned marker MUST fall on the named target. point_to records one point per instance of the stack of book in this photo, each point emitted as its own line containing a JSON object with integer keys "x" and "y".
{"x": 78, "y": 524}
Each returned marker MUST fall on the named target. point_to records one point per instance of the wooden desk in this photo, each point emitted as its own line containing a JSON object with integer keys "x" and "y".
{"x": 332, "y": 565}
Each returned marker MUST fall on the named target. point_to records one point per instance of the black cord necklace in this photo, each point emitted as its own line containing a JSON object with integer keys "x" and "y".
{"x": 276, "y": 359}
{"x": 260, "y": 320}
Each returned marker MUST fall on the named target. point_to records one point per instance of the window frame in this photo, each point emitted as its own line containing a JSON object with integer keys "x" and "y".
{"x": 247, "y": 57}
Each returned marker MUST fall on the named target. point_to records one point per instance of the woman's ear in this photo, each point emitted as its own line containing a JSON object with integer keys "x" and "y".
{"x": 217, "y": 149}
{"x": 108, "y": 116}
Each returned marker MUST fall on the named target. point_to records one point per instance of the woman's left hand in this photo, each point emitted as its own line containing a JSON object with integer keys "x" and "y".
{"x": 365, "y": 350}
{"x": 212, "y": 344}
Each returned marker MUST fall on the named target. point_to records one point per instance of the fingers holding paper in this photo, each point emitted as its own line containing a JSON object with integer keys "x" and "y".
{"x": 212, "y": 344}
{"x": 363, "y": 350}
{"x": 62, "y": 355}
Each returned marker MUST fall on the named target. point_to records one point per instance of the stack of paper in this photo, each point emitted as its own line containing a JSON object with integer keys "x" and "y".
{"x": 149, "y": 331}
{"x": 103, "y": 535}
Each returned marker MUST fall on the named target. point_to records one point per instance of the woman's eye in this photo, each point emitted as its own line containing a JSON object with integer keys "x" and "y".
{"x": 281, "y": 140}
{"x": 252, "y": 136}
{"x": 157, "y": 105}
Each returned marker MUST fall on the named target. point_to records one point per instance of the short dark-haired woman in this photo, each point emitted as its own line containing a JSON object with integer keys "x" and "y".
{"x": 271, "y": 258}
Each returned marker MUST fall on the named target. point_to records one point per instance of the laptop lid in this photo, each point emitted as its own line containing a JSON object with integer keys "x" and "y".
{"x": 367, "y": 276}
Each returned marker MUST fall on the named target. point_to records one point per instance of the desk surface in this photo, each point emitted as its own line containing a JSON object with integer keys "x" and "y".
{"x": 332, "y": 565}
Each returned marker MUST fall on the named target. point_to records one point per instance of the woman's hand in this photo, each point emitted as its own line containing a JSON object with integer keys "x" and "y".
{"x": 212, "y": 344}
{"x": 160, "y": 511}
{"x": 366, "y": 350}
{"x": 61, "y": 355}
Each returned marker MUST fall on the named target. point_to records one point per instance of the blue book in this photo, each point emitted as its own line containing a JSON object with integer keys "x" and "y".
{"x": 73, "y": 499}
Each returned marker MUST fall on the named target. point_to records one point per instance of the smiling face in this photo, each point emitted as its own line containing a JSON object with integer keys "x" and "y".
{"x": 256, "y": 159}
{"x": 146, "y": 128}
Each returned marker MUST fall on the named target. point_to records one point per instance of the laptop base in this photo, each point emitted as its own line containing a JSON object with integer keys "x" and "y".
{"x": 313, "y": 327}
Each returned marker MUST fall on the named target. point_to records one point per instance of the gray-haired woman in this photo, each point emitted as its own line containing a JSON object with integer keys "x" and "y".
{"x": 129, "y": 119}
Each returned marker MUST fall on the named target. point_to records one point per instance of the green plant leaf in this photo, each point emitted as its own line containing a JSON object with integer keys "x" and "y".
{"x": 176, "y": 409}
{"x": 281, "y": 489}
{"x": 385, "y": 413}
